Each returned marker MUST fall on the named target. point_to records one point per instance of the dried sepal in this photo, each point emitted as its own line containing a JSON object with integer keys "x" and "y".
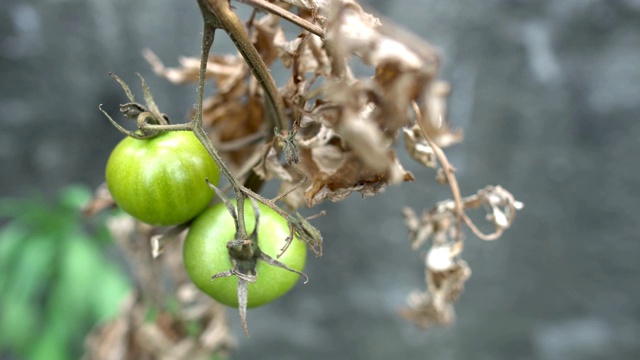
{"x": 243, "y": 299}
{"x": 244, "y": 254}
{"x": 303, "y": 230}
{"x": 131, "y": 110}
{"x": 289, "y": 145}
{"x": 144, "y": 116}
{"x": 274, "y": 262}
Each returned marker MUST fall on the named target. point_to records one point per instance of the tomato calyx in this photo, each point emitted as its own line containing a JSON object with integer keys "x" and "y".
{"x": 302, "y": 228}
{"x": 244, "y": 255}
{"x": 145, "y": 116}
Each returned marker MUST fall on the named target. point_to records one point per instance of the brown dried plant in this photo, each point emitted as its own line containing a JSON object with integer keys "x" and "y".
{"x": 165, "y": 317}
{"x": 328, "y": 133}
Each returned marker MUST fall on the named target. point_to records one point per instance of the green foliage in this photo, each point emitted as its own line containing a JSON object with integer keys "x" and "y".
{"x": 55, "y": 282}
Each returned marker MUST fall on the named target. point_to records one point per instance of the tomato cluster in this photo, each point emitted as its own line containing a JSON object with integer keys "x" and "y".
{"x": 161, "y": 181}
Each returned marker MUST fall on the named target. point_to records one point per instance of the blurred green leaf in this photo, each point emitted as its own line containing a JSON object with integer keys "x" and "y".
{"x": 51, "y": 344}
{"x": 33, "y": 267}
{"x": 55, "y": 282}
{"x": 17, "y": 323}
{"x": 112, "y": 286}
{"x": 75, "y": 197}
{"x": 10, "y": 243}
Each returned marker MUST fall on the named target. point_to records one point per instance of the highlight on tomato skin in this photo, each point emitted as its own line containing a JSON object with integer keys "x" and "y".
{"x": 161, "y": 180}
{"x": 205, "y": 254}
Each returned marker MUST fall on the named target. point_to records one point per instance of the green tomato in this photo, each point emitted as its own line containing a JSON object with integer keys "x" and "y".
{"x": 205, "y": 254}
{"x": 161, "y": 180}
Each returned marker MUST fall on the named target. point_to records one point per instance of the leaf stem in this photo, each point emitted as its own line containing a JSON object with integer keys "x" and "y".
{"x": 449, "y": 173}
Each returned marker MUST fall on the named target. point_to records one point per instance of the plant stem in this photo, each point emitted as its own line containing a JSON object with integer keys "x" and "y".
{"x": 218, "y": 14}
{"x": 448, "y": 170}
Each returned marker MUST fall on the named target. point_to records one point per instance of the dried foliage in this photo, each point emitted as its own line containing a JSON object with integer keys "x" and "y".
{"x": 342, "y": 131}
{"x": 445, "y": 271}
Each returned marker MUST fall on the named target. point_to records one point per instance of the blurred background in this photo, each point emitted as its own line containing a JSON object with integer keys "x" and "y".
{"x": 548, "y": 96}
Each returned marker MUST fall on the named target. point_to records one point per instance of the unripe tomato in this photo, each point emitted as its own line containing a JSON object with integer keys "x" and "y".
{"x": 205, "y": 254}
{"x": 161, "y": 180}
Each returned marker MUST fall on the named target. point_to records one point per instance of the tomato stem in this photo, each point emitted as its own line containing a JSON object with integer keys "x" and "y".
{"x": 217, "y": 14}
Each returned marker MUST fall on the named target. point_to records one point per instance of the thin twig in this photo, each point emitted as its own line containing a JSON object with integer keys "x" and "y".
{"x": 293, "y": 18}
{"x": 493, "y": 236}
{"x": 448, "y": 173}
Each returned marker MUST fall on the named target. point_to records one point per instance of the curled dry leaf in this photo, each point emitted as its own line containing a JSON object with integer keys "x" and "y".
{"x": 333, "y": 171}
{"x": 304, "y": 51}
{"x": 224, "y": 69}
{"x": 445, "y": 271}
{"x": 424, "y": 311}
{"x": 501, "y": 206}
{"x": 418, "y": 148}
{"x": 336, "y": 172}
{"x": 434, "y": 121}
{"x": 366, "y": 140}
{"x": 352, "y": 176}
{"x": 266, "y": 37}
{"x": 235, "y": 121}
{"x": 435, "y": 307}
{"x": 361, "y": 117}
{"x": 442, "y": 257}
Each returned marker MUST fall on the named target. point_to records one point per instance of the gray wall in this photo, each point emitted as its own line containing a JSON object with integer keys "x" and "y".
{"x": 548, "y": 94}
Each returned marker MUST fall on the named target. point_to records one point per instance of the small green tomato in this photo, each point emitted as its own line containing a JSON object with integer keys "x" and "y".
{"x": 205, "y": 254}
{"x": 161, "y": 180}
